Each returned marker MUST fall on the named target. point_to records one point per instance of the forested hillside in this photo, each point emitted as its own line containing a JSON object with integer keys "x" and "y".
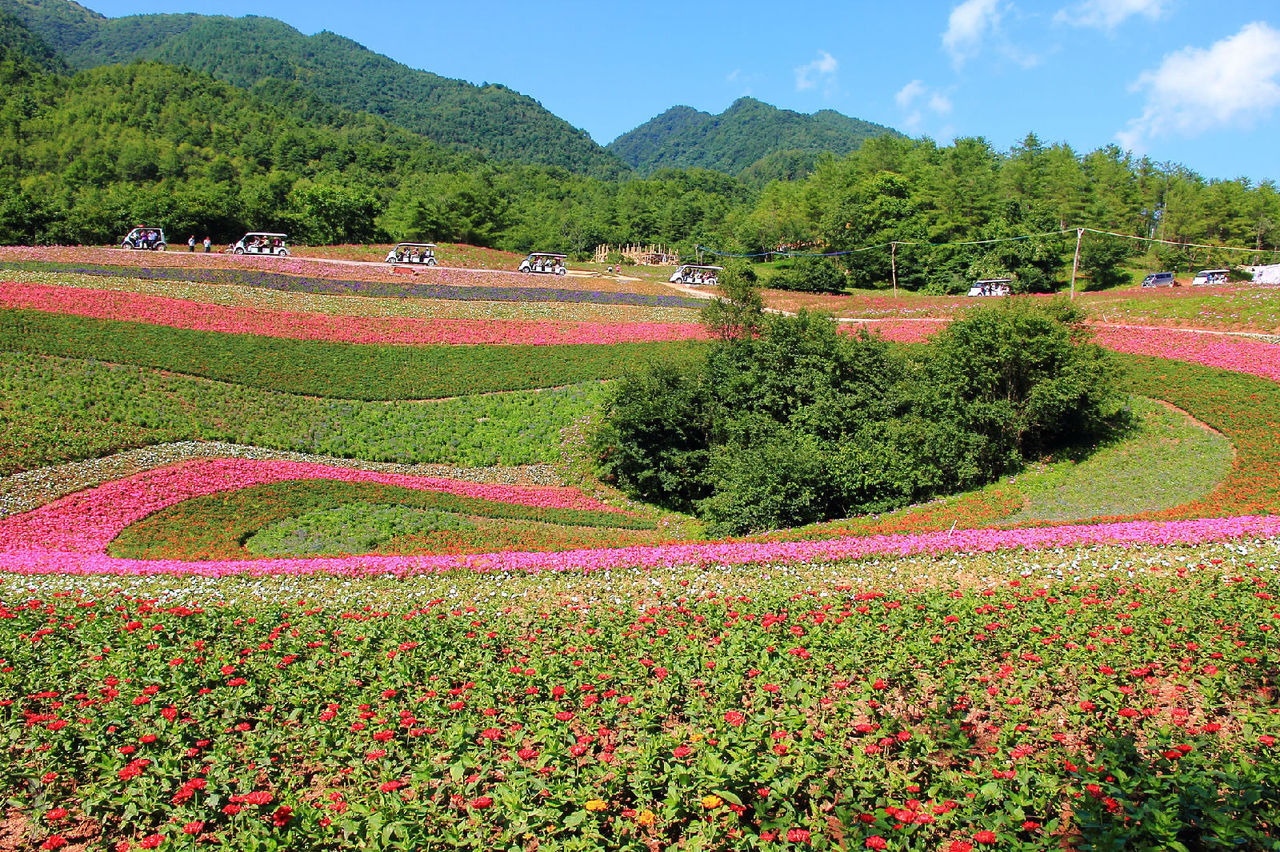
{"x": 84, "y": 157}
{"x": 745, "y": 133}
{"x": 491, "y": 120}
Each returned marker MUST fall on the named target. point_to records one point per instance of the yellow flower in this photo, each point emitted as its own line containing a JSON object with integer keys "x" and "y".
{"x": 712, "y": 801}
{"x": 646, "y": 817}
{"x": 596, "y": 805}
{"x": 696, "y": 736}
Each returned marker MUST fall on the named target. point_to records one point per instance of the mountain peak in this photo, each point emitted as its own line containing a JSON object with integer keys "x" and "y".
{"x": 745, "y": 133}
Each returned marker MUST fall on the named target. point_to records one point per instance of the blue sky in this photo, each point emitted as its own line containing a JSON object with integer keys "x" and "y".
{"x": 1189, "y": 81}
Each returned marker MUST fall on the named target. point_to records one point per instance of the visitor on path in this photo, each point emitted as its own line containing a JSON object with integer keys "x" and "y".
{"x": 208, "y": 244}
{"x": 191, "y": 243}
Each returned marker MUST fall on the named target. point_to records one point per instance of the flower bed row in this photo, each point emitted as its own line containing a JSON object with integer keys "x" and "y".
{"x": 491, "y": 286}
{"x": 203, "y": 316}
{"x": 239, "y": 296}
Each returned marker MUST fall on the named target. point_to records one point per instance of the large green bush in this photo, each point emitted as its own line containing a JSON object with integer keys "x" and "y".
{"x": 798, "y": 423}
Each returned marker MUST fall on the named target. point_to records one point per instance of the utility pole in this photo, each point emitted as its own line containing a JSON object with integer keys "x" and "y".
{"x": 893, "y": 264}
{"x": 1075, "y": 264}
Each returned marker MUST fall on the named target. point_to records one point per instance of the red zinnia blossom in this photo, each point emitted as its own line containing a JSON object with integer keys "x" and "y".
{"x": 56, "y": 814}
{"x": 875, "y": 841}
{"x": 682, "y": 751}
{"x": 258, "y": 797}
{"x": 733, "y": 717}
{"x": 527, "y": 753}
{"x": 985, "y": 837}
{"x": 55, "y": 841}
{"x": 798, "y": 835}
{"x": 481, "y": 802}
{"x": 390, "y": 786}
{"x": 281, "y": 817}
{"x": 193, "y": 828}
{"x": 151, "y": 841}
{"x": 564, "y": 716}
{"x": 960, "y": 846}
{"x": 1267, "y": 740}
{"x": 491, "y": 733}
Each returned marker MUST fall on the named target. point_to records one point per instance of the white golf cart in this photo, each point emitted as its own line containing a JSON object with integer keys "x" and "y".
{"x": 151, "y": 239}
{"x": 417, "y": 254}
{"x": 992, "y": 287}
{"x": 693, "y": 274}
{"x": 1210, "y": 277}
{"x": 544, "y": 262}
{"x": 261, "y": 242}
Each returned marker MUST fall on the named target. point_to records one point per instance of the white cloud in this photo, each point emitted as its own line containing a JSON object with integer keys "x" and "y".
{"x": 910, "y": 92}
{"x": 821, "y": 70}
{"x": 1108, "y": 14}
{"x": 914, "y": 98}
{"x": 969, "y": 24}
{"x": 733, "y": 75}
{"x": 1233, "y": 82}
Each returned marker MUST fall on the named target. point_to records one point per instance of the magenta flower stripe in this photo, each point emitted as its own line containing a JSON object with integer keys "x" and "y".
{"x": 85, "y": 522}
{"x": 71, "y": 534}
{"x": 200, "y": 316}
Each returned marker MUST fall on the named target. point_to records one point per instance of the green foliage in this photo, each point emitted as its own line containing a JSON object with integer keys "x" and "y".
{"x": 740, "y": 137}
{"x": 1102, "y": 259}
{"x": 320, "y": 368}
{"x": 1022, "y": 378}
{"x": 54, "y": 410}
{"x": 809, "y": 275}
{"x": 315, "y": 517}
{"x": 798, "y": 423}
{"x": 350, "y": 528}
{"x": 489, "y": 119}
{"x": 739, "y": 312}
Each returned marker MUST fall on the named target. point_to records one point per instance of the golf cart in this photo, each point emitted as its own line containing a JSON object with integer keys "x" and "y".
{"x": 420, "y": 254}
{"x": 151, "y": 239}
{"x": 992, "y": 287}
{"x": 692, "y": 274}
{"x": 260, "y": 242}
{"x": 1209, "y": 277}
{"x": 546, "y": 262}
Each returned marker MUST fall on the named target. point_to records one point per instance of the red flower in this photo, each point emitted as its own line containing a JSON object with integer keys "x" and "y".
{"x": 733, "y": 717}
{"x": 151, "y": 841}
{"x": 281, "y": 817}
{"x": 798, "y": 835}
{"x": 682, "y": 751}
{"x": 1267, "y": 740}
{"x": 960, "y": 846}
{"x": 390, "y": 786}
{"x": 985, "y": 837}
{"x": 56, "y": 814}
{"x": 875, "y": 841}
{"x": 481, "y": 802}
{"x": 527, "y": 753}
{"x": 193, "y": 828}
{"x": 55, "y": 841}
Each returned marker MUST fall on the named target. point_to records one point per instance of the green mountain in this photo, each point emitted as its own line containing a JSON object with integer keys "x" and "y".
{"x": 24, "y": 49}
{"x": 745, "y": 133}
{"x": 490, "y": 120}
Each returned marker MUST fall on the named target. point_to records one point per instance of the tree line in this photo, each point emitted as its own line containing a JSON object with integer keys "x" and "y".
{"x": 83, "y": 157}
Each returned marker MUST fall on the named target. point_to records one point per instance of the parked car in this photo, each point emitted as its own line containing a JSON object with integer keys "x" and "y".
{"x": 1209, "y": 277}
{"x": 261, "y": 242}
{"x": 692, "y": 274}
{"x": 151, "y": 239}
{"x": 1159, "y": 279}
{"x": 545, "y": 262}
{"x": 422, "y": 254}
{"x": 992, "y": 287}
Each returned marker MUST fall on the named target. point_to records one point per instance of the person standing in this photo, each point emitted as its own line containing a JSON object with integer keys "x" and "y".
{"x": 208, "y": 244}
{"x": 191, "y": 243}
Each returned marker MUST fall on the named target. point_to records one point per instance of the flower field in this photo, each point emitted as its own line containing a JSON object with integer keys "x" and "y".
{"x": 1024, "y": 704}
{"x": 304, "y": 638}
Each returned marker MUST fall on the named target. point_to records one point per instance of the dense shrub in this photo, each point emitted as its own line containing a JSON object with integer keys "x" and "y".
{"x": 810, "y": 275}
{"x": 798, "y": 423}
